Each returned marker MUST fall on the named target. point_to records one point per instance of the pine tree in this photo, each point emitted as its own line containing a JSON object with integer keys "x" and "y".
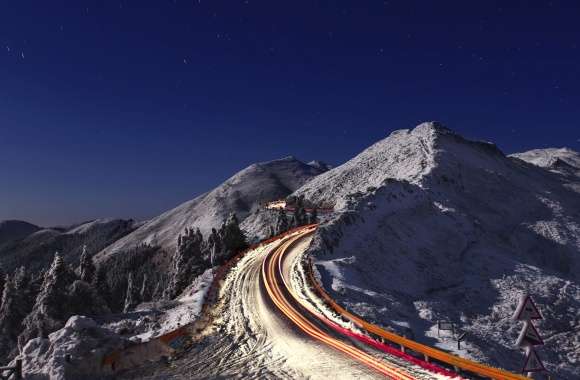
{"x": 10, "y": 318}
{"x": 5, "y": 281}
{"x": 157, "y": 293}
{"x": 187, "y": 261}
{"x": 132, "y": 296}
{"x": 100, "y": 284}
{"x": 313, "y": 218}
{"x": 17, "y": 300}
{"x": 282, "y": 224}
{"x": 2, "y": 282}
{"x": 51, "y": 300}
{"x": 84, "y": 299}
{"x": 87, "y": 267}
{"x": 214, "y": 246}
{"x": 145, "y": 294}
{"x": 233, "y": 237}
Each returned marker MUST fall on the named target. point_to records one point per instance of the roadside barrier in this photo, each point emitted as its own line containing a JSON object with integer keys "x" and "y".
{"x": 428, "y": 353}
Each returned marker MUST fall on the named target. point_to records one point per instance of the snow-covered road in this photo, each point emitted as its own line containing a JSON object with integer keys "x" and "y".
{"x": 250, "y": 339}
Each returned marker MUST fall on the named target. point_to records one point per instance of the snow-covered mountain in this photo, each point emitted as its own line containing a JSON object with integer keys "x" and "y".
{"x": 430, "y": 226}
{"x": 240, "y": 194}
{"x": 11, "y": 230}
{"x": 36, "y": 250}
{"x": 561, "y": 160}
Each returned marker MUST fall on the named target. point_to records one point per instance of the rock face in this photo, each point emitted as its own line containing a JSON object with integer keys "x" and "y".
{"x": 73, "y": 352}
{"x": 430, "y": 226}
{"x": 240, "y": 194}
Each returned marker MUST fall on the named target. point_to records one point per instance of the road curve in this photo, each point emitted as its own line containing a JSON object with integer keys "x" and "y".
{"x": 457, "y": 362}
{"x": 288, "y": 303}
{"x": 249, "y": 339}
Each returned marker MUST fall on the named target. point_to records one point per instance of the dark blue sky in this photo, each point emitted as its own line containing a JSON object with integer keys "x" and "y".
{"x": 125, "y": 109}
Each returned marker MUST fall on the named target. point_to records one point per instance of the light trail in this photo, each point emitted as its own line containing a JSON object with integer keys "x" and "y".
{"x": 457, "y": 362}
{"x": 271, "y": 274}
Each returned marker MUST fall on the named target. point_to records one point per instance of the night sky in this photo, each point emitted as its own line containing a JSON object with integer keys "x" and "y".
{"x": 126, "y": 109}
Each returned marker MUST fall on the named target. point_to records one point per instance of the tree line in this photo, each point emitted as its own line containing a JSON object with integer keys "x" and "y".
{"x": 35, "y": 304}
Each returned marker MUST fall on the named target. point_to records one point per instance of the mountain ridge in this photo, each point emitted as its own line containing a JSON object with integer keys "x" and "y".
{"x": 427, "y": 222}
{"x": 241, "y": 194}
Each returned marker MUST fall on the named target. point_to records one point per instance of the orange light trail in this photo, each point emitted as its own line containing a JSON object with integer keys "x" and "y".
{"x": 276, "y": 293}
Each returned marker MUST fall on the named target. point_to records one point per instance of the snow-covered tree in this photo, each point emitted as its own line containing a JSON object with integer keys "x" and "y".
{"x": 87, "y": 267}
{"x": 282, "y": 224}
{"x": 100, "y": 284}
{"x": 10, "y": 318}
{"x": 84, "y": 299}
{"x": 10, "y": 312}
{"x": 187, "y": 261}
{"x": 232, "y": 236}
{"x": 214, "y": 246}
{"x": 145, "y": 293}
{"x": 132, "y": 295}
{"x": 17, "y": 300}
{"x": 51, "y": 300}
{"x": 2, "y": 282}
{"x": 52, "y": 307}
{"x": 313, "y": 217}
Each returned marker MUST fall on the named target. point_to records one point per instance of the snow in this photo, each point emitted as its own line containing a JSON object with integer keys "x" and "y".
{"x": 549, "y": 157}
{"x": 186, "y": 310}
{"x": 88, "y": 226}
{"x": 430, "y": 226}
{"x": 78, "y": 349}
{"x": 240, "y": 194}
{"x": 71, "y": 352}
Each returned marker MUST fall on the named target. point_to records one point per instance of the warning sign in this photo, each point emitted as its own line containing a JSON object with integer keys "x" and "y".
{"x": 529, "y": 336}
{"x": 527, "y": 310}
{"x": 533, "y": 362}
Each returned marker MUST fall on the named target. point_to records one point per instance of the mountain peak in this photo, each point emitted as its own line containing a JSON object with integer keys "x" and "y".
{"x": 433, "y": 126}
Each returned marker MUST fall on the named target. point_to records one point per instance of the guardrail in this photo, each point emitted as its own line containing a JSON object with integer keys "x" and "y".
{"x": 458, "y": 363}
{"x": 15, "y": 372}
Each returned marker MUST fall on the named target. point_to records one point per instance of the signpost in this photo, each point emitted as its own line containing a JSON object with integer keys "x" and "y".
{"x": 532, "y": 362}
{"x": 444, "y": 325}
{"x": 459, "y": 339}
{"x": 527, "y": 311}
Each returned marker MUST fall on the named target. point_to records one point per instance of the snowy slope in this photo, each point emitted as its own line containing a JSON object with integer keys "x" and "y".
{"x": 431, "y": 226}
{"x": 11, "y": 230}
{"x": 561, "y": 160}
{"x": 240, "y": 194}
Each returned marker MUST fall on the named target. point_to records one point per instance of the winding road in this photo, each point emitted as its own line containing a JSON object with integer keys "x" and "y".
{"x": 263, "y": 328}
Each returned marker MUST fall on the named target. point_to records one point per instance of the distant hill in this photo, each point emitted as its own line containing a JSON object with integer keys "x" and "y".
{"x": 36, "y": 250}
{"x": 11, "y": 230}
